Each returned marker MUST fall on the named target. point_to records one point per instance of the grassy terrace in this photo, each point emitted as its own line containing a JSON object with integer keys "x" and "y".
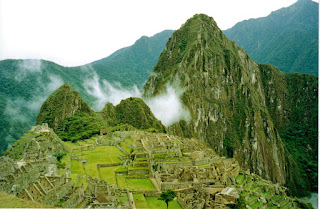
{"x": 152, "y": 202}
{"x": 173, "y": 162}
{"x": 126, "y": 147}
{"x": 102, "y": 154}
{"x": 129, "y": 141}
{"x": 141, "y": 159}
{"x": 137, "y": 168}
{"x": 138, "y": 184}
{"x": 108, "y": 173}
{"x": 83, "y": 181}
{"x": 99, "y": 155}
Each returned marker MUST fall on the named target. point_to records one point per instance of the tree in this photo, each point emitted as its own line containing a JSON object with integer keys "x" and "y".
{"x": 59, "y": 155}
{"x": 167, "y": 196}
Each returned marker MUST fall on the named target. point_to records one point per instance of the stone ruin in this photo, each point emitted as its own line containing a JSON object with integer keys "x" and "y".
{"x": 200, "y": 178}
{"x": 101, "y": 194}
{"x": 29, "y": 177}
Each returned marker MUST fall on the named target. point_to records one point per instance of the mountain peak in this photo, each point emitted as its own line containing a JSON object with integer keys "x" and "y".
{"x": 62, "y": 103}
{"x": 220, "y": 82}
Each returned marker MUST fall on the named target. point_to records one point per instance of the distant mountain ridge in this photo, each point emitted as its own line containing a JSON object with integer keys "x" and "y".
{"x": 133, "y": 65}
{"x": 287, "y": 38}
{"x": 25, "y": 84}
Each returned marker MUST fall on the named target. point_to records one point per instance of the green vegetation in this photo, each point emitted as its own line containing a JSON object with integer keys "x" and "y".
{"x": 59, "y": 155}
{"x": 238, "y": 101}
{"x": 140, "y": 184}
{"x": 25, "y": 83}
{"x": 108, "y": 173}
{"x": 240, "y": 203}
{"x": 61, "y": 104}
{"x": 133, "y": 65}
{"x": 167, "y": 196}
{"x": 135, "y": 112}
{"x": 129, "y": 114}
{"x": 298, "y": 94}
{"x": 10, "y": 201}
{"x": 287, "y": 38}
{"x": 76, "y": 167}
{"x": 78, "y": 127}
{"x": 152, "y": 202}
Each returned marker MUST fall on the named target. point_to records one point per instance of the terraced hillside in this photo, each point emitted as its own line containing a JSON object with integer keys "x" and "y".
{"x": 130, "y": 169}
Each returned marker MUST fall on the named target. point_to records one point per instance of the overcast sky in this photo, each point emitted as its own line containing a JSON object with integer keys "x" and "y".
{"x": 76, "y": 32}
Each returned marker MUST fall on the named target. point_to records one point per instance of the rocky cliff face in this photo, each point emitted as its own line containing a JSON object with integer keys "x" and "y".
{"x": 292, "y": 101}
{"x": 225, "y": 93}
{"x": 62, "y": 103}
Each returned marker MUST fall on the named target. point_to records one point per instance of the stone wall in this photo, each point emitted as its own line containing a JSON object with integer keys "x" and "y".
{"x": 74, "y": 199}
{"x": 56, "y": 194}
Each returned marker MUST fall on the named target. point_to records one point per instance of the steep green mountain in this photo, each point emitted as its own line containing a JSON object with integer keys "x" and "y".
{"x": 292, "y": 103}
{"x": 226, "y": 94}
{"x": 287, "y": 38}
{"x": 72, "y": 119}
{"x": 61, "y": 104}
{"x": 133, "y": 65}
{"x": 135, "y": 112}
{"x": 25, "y": 84}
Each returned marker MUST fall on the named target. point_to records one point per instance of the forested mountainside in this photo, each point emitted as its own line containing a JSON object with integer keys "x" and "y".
{"x": 287, "y": 38}
{"x": 25, "y": 84}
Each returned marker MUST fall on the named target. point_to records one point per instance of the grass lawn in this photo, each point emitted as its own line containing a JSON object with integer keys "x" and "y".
{"x": 129, "y": 140}
{"x": 70, "y": 146}
{"x": 249, "y": 183}
{"x": 124, "y": 199}
{"x": 154, "y": 203}
{"x": 107, "y": 173}
{"x": 102, "y": 154}
{"x": 140, "y": 201}
{"x": 83, "y": 181}
{"x": 125, "y": 147}
{"x": 251, "y": 199}
{"x": 66, "y": 159}
{"x": 121, "y": 181}
{"x": 91, "y": 170}
{"x": 76, "y": 167}
{"x": 140, "y": 184}
{"x": 74, "y": 177}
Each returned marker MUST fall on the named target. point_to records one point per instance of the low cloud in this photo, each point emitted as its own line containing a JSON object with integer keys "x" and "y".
{"x": 36, "y": 102}
{"x": 20, "y": 109}
{"x": 28, "y": 66}
{"x": 168, "y": 108}
{"x": 104, "y": 91}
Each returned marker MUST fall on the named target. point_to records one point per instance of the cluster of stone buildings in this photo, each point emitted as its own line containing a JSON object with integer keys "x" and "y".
{"x": 200, "y": 178}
